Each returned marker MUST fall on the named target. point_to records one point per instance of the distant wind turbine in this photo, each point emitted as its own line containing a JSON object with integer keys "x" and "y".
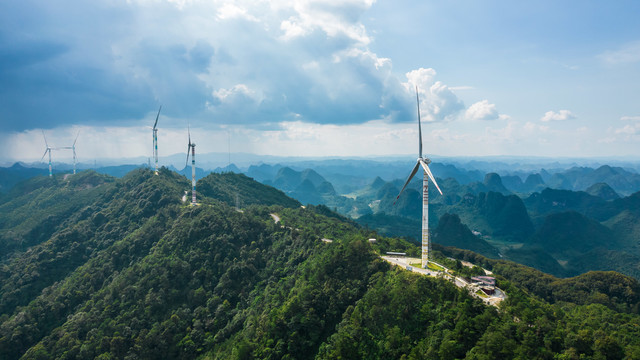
{"x": 192, "y": 147}
{"x": 48, "y": 150}
{"x": 155, "y": 140}
{"x": 73, "y": 147}
{"x": 424, "y": 163}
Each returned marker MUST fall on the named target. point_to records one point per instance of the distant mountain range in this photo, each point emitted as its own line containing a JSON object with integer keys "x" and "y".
{"x": 552, "y": 219}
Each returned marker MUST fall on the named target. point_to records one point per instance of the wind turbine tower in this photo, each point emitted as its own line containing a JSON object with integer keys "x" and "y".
{"x": 424, "y": 163}
{"x": 192, "y": 147}
{"x": 73, "y": 147}
{"x": 155, "y": 140}
{"x": 48, "y": 150}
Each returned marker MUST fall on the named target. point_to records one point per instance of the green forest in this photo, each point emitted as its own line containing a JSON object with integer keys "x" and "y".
{"x": 98, "y": 267}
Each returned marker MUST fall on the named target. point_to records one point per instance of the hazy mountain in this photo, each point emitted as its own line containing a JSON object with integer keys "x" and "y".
{"x": 513, "y": 183}
{"x": 12, "y": 175}
{"x": 552, "y": 201}
{"x": 263, "y": 172}
{"x": 602, "y": 190}
{"x": 228, "y": 168}
{"x": 186, "y": 172}
{"x": 619, "y": 179}
{"x": 534, "y": 182}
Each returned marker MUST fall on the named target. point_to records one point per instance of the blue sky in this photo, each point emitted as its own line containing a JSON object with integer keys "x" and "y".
{"x": 327, "y": 77}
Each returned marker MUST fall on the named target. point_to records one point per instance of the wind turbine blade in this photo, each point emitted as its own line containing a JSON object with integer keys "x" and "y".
{"x": 74, "y": 141}
{"x": 188, "y": 149}
{"x": 189, "y": 132}
{"x": 157, "y": 116}
{"x": 419, "y": 125}
{"x": 45, "y": 139}
{"x": 45, "y": 153}
{"x": 413, "y": 172}
{"x": 428, "y": 171}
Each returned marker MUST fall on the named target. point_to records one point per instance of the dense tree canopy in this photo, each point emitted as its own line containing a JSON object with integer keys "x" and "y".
{"x": 128, "y": 271}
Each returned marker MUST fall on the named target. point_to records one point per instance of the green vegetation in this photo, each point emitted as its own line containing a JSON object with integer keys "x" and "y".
{"x": 129, "y": 271}
{"x": 433, "y": 266}
{"x": 238, "y": 189}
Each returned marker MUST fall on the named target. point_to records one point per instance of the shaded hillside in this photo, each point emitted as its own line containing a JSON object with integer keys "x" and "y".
{"x": 552, "y": 201}
{"x": 451, "y": 232}
{"x": 234, "y": 188}
{"x": 12, "y": 175}
{"x": 569, "y": 234}
{"x": 494, "y": 214}
{"x": 537, "y": 257}
{"x": 391, "y": 225}
{"x": 80, "y": 231}
{"x": 36, "y": 208}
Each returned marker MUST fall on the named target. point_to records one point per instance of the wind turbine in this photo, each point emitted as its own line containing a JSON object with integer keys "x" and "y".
{"x": 192, "y": 147}
{"x": 424, "y": 163}
{"x": 155, "y": 140}
{"x": 73, "y": 147}
{"x": 48, "y": 150}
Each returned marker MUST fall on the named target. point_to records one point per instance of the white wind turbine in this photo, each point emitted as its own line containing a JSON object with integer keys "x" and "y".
{"x": 48, "y": 150}
{"x": 192, "y": 147}
{"x": 424, "y": 163}
{"x": 73, "y": 147}
{"x": 155, "y": 140}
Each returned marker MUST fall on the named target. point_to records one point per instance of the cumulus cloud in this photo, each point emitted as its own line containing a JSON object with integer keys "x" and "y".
{"x": 437, "y": 101}
{"x": 557, "y": 116}
{"x": 482, "y": 110}
{"x": 233, "y": 61}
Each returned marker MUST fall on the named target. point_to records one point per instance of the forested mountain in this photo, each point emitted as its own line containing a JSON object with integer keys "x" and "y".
{"x": 502, "y": 210}
{"x": 10, "y": 176}
{"x": 124, "y": 269}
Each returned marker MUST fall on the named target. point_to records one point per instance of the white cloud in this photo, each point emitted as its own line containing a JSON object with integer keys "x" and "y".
{"x": 482, "y": 110}
{"x": 233, "y": 11}
{"x": 621, "y": 135}
{"x": 628, "y": 130}
{"x": 225, "y": 95}
{"x": 630, "y": 118}
{"x": 437, "y": 101}
{"x": 333, "y": 18}
{"x": 531, "y": 127}
{"x": 557, "y": 116}
{"x": 629, "y": 53}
